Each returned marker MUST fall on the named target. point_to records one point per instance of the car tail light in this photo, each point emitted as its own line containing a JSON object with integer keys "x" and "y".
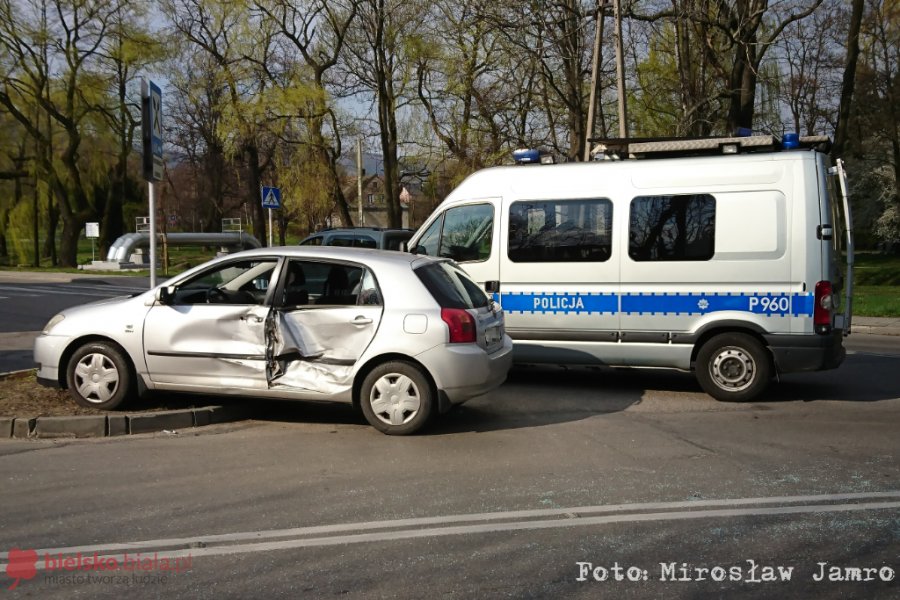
{"x": 823, "y": 307}
{"x": 461, "y": 324}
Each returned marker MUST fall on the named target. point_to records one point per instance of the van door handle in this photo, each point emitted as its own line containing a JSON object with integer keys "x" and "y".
{"x": 361, "y": 320}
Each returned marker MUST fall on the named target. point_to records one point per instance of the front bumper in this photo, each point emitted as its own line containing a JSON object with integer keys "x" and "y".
{"x": 796, "y": 353}
{"x": 463, "y": 371}
{"x": 47, "y": 351}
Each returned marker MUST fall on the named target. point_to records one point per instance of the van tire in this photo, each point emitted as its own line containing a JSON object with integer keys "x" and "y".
{"x": 733, "y": 367}
{"x": 397, "y": 398}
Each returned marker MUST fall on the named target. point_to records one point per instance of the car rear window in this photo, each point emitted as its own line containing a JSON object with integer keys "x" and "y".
{"x": 451, "y": 287}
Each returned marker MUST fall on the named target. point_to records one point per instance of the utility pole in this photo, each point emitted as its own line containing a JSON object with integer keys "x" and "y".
{"x": 595, "y": 74}
{"x": 620, "y": 70}
{"x": 359, "y": 181}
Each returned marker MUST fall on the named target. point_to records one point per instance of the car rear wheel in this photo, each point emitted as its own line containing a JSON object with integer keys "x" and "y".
{"x": 733, "y": 367}
{"x": 99, "y": 376}
{"x": 396, "y": 398}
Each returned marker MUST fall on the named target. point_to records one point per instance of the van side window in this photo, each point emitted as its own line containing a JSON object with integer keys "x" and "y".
{"x": 560, "y": 230}
{"x": 463, "y": 233}
{"x": 670, "y": 228}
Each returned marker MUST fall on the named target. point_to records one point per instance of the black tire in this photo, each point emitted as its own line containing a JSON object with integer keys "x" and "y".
{"x": 396, "y": 398}
{"x": 733, "y": 367}
{"x": 99, "y": 376}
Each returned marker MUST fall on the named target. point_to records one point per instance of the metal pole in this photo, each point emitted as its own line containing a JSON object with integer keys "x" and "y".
{"x": 595, "y": 71}
{"x": 152, "y": 234}
{"x": 270, "y": 228}
{"x": 359, "y": 181}
{"x": 620, "y": 71}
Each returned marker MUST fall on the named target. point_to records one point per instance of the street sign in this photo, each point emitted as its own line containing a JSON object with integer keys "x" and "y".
{"x": 271, "y": 197}
{"x": 92, "y": 230}
{"x": 152, "y": 131}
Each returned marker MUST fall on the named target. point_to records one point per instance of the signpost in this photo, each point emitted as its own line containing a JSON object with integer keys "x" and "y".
{"x": 271, "y": 199}
{"x": 152, "y": 137}
{"x": 92, "y": 231}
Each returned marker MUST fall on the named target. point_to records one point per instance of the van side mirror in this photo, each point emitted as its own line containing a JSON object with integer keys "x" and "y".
{"x": 165, "y": 294}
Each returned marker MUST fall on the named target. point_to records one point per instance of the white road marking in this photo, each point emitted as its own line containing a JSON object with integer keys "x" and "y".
{"x": 481, "y": 523}
{"x": 52, "y": 291}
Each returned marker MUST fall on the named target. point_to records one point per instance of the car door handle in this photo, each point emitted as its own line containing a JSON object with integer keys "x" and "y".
{"x": 252, "y": 318}
{"x": 361, "y": 320}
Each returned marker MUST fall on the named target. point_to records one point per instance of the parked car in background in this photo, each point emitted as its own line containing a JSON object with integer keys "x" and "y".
{"x": 402, "y": 337}
{"x": 360, "y": 237}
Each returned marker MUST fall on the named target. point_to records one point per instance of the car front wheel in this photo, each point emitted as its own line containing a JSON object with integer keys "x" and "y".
{"x": 396, "y": 398}
{"x": 98, "y": 376}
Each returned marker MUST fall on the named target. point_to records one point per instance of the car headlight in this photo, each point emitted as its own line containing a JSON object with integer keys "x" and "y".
{"x": 53, "y": 323}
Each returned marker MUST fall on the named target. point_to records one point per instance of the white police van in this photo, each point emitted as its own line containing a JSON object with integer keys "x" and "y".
{"x": 713, "y": 255}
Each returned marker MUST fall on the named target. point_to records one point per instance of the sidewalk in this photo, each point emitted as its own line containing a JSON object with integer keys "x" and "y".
{"x": 876, "y": 325}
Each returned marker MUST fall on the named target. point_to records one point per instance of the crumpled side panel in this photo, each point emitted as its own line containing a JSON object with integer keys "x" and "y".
{"x": 317, "y": 349}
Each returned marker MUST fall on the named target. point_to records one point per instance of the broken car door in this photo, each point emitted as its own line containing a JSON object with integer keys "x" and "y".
{"x": 326, "y": 315}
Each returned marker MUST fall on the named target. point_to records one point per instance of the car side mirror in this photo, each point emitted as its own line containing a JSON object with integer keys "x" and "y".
{"x": 164, "y": 294}
{"x": 492, "y": 287}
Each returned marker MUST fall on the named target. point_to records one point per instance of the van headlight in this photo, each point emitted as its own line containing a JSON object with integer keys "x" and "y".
{"x": 53, "y": 323}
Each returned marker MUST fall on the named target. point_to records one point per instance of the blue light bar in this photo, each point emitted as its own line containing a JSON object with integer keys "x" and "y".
{"x": 790, "y": 141}
{"x": 526, "y": 155}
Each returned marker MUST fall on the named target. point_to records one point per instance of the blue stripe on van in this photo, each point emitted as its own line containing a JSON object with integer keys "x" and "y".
{"x": 692, "y": 303}
{"x": 528, "y": 302}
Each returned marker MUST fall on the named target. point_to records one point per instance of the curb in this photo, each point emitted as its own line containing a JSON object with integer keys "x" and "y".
{"x": 87, "y": 426}
{"x": 116, "y": 423}
{"x": 874, "y": 330}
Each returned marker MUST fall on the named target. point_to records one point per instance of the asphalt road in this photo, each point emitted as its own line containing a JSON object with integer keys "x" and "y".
{"x": 560, "y": 475}
{"x": 27, "y": 303}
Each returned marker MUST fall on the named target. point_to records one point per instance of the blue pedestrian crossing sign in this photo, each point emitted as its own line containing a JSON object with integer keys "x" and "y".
{"x": 271, "y": 197}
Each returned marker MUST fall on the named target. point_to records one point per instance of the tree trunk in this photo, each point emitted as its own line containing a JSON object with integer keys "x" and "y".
{"x": 841, "y": 131}
{"x": 253, "y": 194}
{"x": 49, "y": 250}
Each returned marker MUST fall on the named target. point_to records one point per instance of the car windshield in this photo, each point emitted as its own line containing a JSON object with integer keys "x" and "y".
{"x": 451, "y": 287}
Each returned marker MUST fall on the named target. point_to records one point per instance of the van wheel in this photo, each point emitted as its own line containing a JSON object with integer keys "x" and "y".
{"x": 733, "y": 367}
{"x": 99, "y": 376}
{"x": 396, "y": 398}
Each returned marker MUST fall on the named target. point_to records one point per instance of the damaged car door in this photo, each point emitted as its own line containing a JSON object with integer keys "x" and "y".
{"x": 208, "y": 331}
{"x": 325, "y": 316}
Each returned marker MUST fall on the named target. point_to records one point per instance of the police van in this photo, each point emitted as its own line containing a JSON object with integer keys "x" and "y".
{"x": 718, "y": 256}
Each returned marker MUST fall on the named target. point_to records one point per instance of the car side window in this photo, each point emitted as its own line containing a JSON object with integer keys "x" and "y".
{"x": 319, "y": 283}
{"x": 240, "y": 282}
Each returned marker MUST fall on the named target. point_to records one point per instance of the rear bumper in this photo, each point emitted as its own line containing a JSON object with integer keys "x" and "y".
{"x": 469, "y": 372}
{"x": 796, "y": 353}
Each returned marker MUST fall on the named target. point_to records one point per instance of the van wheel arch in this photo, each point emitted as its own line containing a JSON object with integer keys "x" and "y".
{"x": 745, "y": 329}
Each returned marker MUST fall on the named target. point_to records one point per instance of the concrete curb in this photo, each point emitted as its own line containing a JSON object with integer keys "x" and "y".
{"x": 87, "y": 426}
{"x": 116, "y": 423}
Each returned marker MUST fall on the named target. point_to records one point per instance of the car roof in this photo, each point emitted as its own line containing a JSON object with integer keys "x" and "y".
{"x": 365, "y": 255}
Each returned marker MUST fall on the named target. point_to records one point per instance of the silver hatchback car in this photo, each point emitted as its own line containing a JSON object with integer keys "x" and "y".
{"x": 403, "y": 337}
